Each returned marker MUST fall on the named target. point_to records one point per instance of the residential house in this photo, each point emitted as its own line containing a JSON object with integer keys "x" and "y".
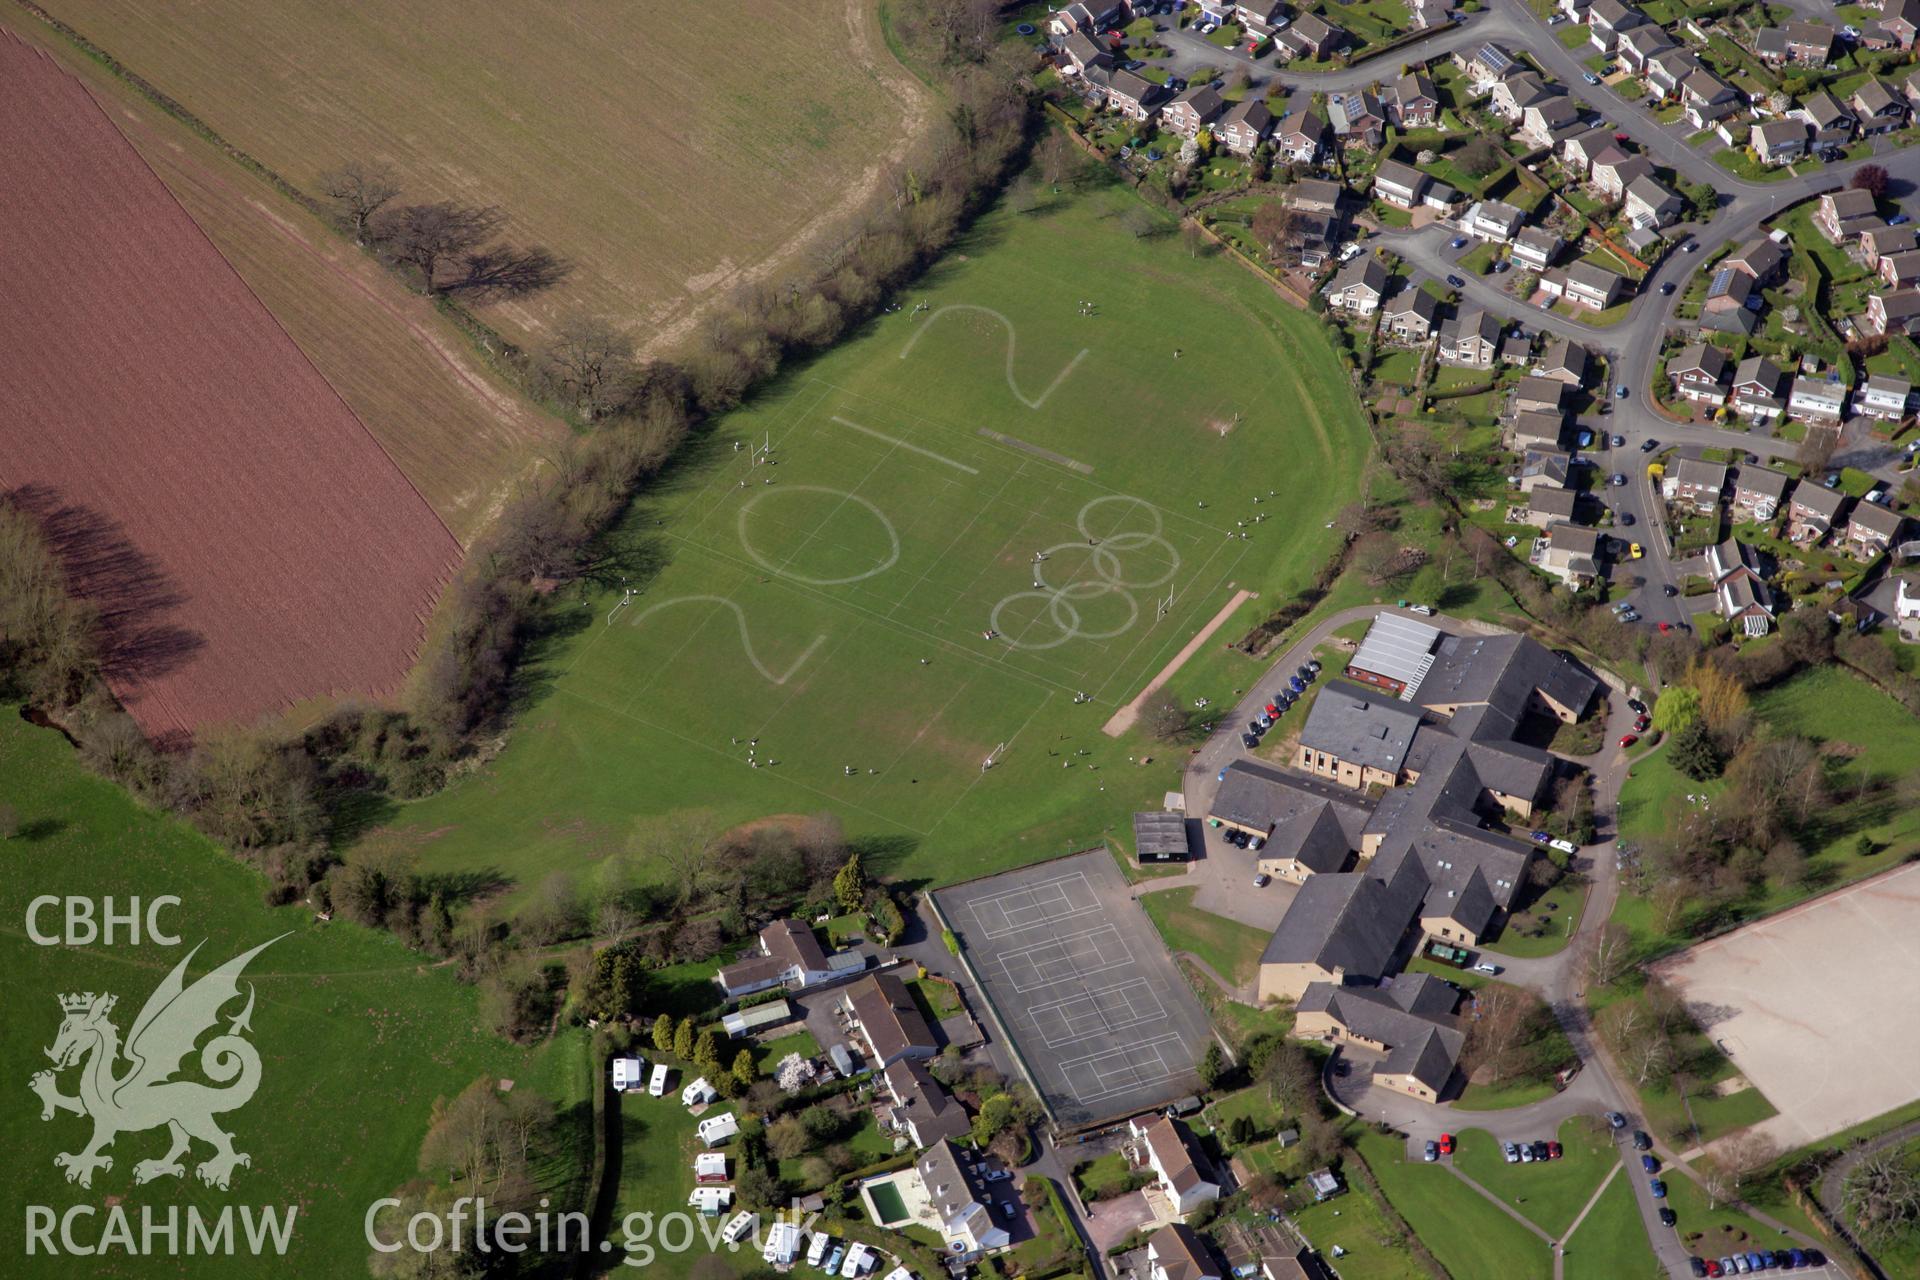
{"x": 888, "y": 1020}
{"x": 1085, "y": 55}
{"x": 1357, "y": 117}
{"x": 962, "y": 1206}
{"x": 1641, "y": 44}
{"x": 1516, "y": 92}
{"x": 1900, "y": 270}
{"x": 1707, "y": 98}
{"x": 1649, "y": 204}
{"x": 1757, "y": 492}
{"x": 1485, "y": 66}
{"x": 1359, "y": 286}
{"x": 1411, "y": 316}
{"x": 1493, "y": 220}
{"x": 1668, "y": 69}
{"x": 1301, "y": 136}
{"x": 1884, "y": 396}
{"x": 1133, "y": 96}
{"x": 1812, "y": 511}
{"x": 1534, "y": 429}
{"x": 1613, "y": 169}
{"x": 1872, "y": 529}
{"x": 1878, "y": 108}
{"x": 1416, "y": 103}
{"x": 1542, "y": 123}
{"x": 1831, "y": 122}
{"x": 1315, "y": 195}
{"x": 1895, "y": 312}
{"x": 1900, "y": 21}
{"x": 1697, "y": 483}
{"x": 1545, "y": 469}
{"x": 1176, "y": 1252}
{"x": 1881, "y": 241}
{"x": 1740, "y": 590}
{"x": 1762, "y": 258}
{"x": 1818, "y": 400}
{"x": 1757, "y": 389}
{"x": 1547, "y": 506}
{"x": 1304, "y": 1264}
{"x": 1260, "y": 18}
{"x": 1071, "y": 18}
{"x": 1535, "y": 248}
{"x": 921, "y": 1107}
{"x": 1426, "y": 15}
{"x": 1571, "y": 554}
{"x": 1577, "y": 151}
{"x": 1586, "y": 283}
{"x": 1779, "y": 142}
{"x": 1839, "y": 214}
{"x": 1193, "y": 110}
{"x": 1409, "y": 1019}
{"x": 1310, "y": 36}
{"x": 1470, "y": 340}
{"x": 1244, "y": 126}
{"x": 1566, "y": 361}
{"x": 1398, "y": 184}
{"x": 1541, "y": 395}
{"x": 1809, "y": 43}
{"x": 789, "y": 954}
{"x": 1606, "y": 19}
{"x": 1699, "y": 374}
{"x": 1184, "y": 1174}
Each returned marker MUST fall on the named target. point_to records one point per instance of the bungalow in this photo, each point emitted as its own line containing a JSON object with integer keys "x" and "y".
{"x": 1614, "y": 169}
{"x": 1425, "y": 15}
{"x": 1779, "y": 142}
{"x": 1193, "y": 110}
{"x": 1536, "y": 430}
{"x": 1895, "y": 312}
{"x": 1357, "y": 117}
{"x": 1310, "y": 36}
{"x": 1398, "y": 184}
{"x": 1757, "y": 492}
{"x": 1565, "y": 361}
{"x": 1813, "y": 511}
{"x": 1301, "y": 136}
{"x": 1577, "y": 151}
{"x": 1470, "y": 340}
{"x": 1183, "y": 1173}
{"x": 1872, "y": 529}
{"x": 1416, "y": 103}
{"x": 888, "y": 1021}
{"x": 1315, "y": 195}
{"x": 1492, "y": 220}
{"x": 1411, "y": 316}
{"x": 1900, "y": 270}
{"x": 1133, "y": 96}
{"x": 1762, "y": 258}
{"x": 1544, "y": 469}
{"x": 1757, "y": 387}
{"x": 1832, "y": 123}
{"x": 1606, "y": 19}
{"x": 1884, "y": 396}
{"x": 1359, "y": 286}
{"x": 790, "y": 955}
{"x": 1817, "y": 399}
{"x": 1535, "y": 248}
{"x": 1571, "y": 554}
{"x": 1740, "y": 589}
{"x": 962, "y": 1209}
{"x": 1649, "y": 204}
{"x": 1697, "y": 483}
{"x": 1245, "y": 126}
{"x": 1547, "y": 505}
{"x": 1541, "y": 395}
{"x": 1839, "y": 213}
{"x": 1699, "y": 374}
{"x": 1877, "y": 107}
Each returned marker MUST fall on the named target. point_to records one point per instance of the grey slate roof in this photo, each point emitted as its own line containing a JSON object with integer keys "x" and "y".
{"x": 1361, "y": 725}
{"x": 1261, "y": 797}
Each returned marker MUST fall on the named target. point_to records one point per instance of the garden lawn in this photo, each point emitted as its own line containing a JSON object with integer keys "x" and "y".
{"x": 1549, "y": 1195}
{"x": 826, "y": 615}
{"x": 1371, "y": 1251}
{"x": 1611, "y": 1243}
{"x": 1470, "y": 1236}
{"x": 650, "y": 1162}
{"x": 1104, "y": 1177}
{"x": 1230, "y": 948}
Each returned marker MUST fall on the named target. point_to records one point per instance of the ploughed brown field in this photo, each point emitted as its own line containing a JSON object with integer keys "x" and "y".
{"x": 249, "y": 543}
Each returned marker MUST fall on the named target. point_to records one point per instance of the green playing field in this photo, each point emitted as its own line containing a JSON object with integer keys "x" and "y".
{"x": 973, "y": 531}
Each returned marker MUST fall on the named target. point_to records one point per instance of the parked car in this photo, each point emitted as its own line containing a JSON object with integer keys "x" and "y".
{"x": 1446, "y": 1144}
{"x": 1487, "y": 967}
{"x": 1648, "y": 446}
{"x": 1666, "y": 289}
{"x": 1433, "y": 1151}
{"x": 1669, "y": 590}
{"x": 1617, "y": 479}
{"x": 1456, "y": 281}
{"x": 1628, "y": 739}
{"x": 1262, "y": 880}
{"x": 1249, "y": 741}
{"x": 1553, "y": 1151}
{"x": 1458, "y": 242}
{"x": 1589, "y": 77}
{"x": 1619, "y": 442}
{"x": 1512, "y": 1153}
{"x": 1627, "y": 519}
{"x": 1616, "y": 1120}
{"x": 1540, "y": 837}
{"x": 1658, "y": 1188}
{"x": 1539, "y": 1150}
{"x": 1313, "y": 664}
{"x": 1502, "y": 265}
{"x": 1526, "y": 1153}
{"x": 1668, "y": 1217}
{"x": 1650, "y": 1164}
{"x": 1620, "y": 393}
{"x": 1696, "y": 1266}
{"x": 1641, "y": 1142}
{"x": 1634, "y": 704}
{"x": 1640, "y": 723}
{"x": 1899, "y": 220}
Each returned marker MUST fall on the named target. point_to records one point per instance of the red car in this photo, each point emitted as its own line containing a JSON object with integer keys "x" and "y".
{"x": 1628, "y": 739}
{"x": 1713, "y": 1266}
{"x": 1666, "y": 626}
{"x": 1640, "y": 724}
{"x": 1446, "y": 1144}
{"x": 1553, "y": 1151}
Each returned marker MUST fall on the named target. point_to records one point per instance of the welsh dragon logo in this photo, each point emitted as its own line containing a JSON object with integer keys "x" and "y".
{"x": 145, "y": 1094}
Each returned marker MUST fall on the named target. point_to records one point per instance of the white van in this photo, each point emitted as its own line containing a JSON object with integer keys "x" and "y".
{"x": 658, "y": 1085}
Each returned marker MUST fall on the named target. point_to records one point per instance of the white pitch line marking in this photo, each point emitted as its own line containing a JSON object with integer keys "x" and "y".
{"x": 908, "y": 445}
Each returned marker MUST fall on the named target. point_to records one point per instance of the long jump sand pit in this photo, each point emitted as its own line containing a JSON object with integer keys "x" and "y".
{"x": 1817, "y": 1006}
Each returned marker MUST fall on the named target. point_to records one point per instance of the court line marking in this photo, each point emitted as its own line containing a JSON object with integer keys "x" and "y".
{"x": 1064, "y": 965}
{"x": 1065, "y": 1012}
{"x": 1139, "y": 1079}
{"x": 905, "y": 444}
{"x": 995, "y": 902}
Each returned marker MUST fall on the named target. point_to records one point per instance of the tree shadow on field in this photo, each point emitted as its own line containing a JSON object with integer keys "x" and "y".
{"x": 457, "y": 888}
{"x": 129, "y": 592}
{"x": 880, "y": 854}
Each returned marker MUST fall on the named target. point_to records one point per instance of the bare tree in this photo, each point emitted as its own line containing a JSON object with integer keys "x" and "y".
{"x": 427, "y": 237}
{"x": 1612, "y": 952}
{"x": 1881, "y": 1196}
{"x": 1499, "y": 1030}
{"x": 1277, "y": 228}
{"x": 682, "y": 843}
{"x": 592, "y": 363}
{"x": 1746, "y": 1154}
{"x": 359, "y": 191}
{"x": 1717, "y": 1184}
{"x": 1817, "y": 450}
